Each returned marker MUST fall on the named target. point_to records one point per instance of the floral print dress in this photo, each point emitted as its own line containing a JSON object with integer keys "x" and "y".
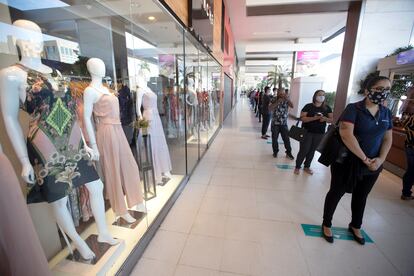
{"x": 54, "y": 140}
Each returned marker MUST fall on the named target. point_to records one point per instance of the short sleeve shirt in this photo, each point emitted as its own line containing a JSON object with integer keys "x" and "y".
{"x": 369, "y": 130}
{"x": 280, "y": 115}
{"x": 315, "y": 126}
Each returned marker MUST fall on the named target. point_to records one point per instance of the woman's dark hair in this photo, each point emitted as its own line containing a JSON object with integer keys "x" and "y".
{"x": 315, "y": 95}
{"x": 266, "y": 88}
{"x": 370, "y": 81}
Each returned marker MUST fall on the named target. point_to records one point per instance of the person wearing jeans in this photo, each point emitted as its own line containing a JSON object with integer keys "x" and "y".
{"x": 279, "y": 107}
{"x": 408, "y": 123}
{"x": 314, "y": 117}
{"x": 265, "y": 112}
{"x": 365, "y": 128}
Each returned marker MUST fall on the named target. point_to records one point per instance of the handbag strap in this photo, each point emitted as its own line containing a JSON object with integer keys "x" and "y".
{"x": 297, "y": 123}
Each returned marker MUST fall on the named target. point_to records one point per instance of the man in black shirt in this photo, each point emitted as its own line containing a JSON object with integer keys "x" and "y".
{"x": 265, "y": 112}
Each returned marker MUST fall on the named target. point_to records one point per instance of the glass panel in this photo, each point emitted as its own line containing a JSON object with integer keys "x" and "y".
{"x": 214, "y": 97}
{"x": 203, "y": 99}
{"x": 156, "y": 74}
{"x": 192, "y": 117}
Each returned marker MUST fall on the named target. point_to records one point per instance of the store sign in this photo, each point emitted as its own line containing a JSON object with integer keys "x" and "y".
{"x": 338, "y": 233}
{"x": 406, "y": 57}
{"x": 307, "y": 63}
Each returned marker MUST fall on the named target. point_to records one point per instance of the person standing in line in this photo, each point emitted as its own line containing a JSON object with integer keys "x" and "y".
{"x": 366, "y": 130}
{"x": 265, "y": 112}
{"x": 259, "y": 108}
{"x": 314, "y": 116}
{"x": 256, "y": 100}
{"x": 408, "y": 124}
{"x": 280, "y": 106}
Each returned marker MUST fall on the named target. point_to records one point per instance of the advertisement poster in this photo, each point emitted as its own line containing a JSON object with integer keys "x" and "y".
{"x": 167, "y": 65}
{"x": 307, "y": 63}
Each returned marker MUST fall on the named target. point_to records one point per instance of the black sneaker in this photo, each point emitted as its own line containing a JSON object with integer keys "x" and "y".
{"x": 275, "y": 155}
{"x": 290, "y": 156}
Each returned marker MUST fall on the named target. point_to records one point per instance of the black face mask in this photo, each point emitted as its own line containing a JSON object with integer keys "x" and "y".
{"x": 377, "y": 97}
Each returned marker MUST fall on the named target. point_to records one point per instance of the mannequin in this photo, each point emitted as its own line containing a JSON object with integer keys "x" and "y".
{"x": 118, "y": 164}
{"x": 160, "y": 153}
{"x": 211, "y": 108}
{"x": 14, "y": 90}
{"x": 192, "y": 100}
{"x": 21, "y": 252}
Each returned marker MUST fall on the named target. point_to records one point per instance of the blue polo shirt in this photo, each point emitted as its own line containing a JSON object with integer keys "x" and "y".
{"x": 368, "y": 130}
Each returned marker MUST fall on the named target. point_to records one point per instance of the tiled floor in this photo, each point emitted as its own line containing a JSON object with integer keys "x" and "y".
{"x": 240, "y": 215}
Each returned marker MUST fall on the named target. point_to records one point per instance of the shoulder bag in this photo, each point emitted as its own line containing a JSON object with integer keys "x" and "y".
{"x": 297, "y": 133}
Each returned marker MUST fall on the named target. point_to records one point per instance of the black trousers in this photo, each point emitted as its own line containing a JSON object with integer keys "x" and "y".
{"x": 337, "y": 190}
{"x": 265, "y": 123}
{"x": 307, "y": 149}
{"x": 408, "y": 178}
{"x": 284, "y": 131}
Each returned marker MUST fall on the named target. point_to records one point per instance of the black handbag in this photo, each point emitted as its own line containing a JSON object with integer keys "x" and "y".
{"x": 331, "y": 147}
{"x": 297, "y": 133}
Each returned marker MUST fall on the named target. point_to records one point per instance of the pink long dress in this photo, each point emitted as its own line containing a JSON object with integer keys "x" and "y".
{"x": 20, "y": 251}
{"x": 118, "y": 164}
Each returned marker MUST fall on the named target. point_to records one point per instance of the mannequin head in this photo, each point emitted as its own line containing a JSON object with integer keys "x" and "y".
{"x": 31, "y": 43}
{"x": 143, "y": 77}
{"x": 96, "y": 67}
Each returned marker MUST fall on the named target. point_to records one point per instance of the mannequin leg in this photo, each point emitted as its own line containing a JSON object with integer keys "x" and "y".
{"x": 64, "y": 219}
{"x": 95, "y": 189}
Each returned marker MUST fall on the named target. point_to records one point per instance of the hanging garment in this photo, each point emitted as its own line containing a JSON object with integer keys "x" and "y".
{"x": 118, "y": 164}
{"x": 20, "y": 250}
{"x": 160, "y": 152}
{"x": 54, "y": 140}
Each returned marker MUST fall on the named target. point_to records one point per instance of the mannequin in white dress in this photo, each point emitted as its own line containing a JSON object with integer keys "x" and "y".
{"x": 13, "y": 83}
{"x": 192, "y": 101}
{"x": 160, "y": 153}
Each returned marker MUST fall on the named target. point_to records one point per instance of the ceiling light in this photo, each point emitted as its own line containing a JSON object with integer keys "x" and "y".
{"x": 151, "y": 18}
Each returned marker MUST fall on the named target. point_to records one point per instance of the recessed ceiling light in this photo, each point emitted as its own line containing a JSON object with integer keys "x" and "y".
{"x": 152, "y": 18}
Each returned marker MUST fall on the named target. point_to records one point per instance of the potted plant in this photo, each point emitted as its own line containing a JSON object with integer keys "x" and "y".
{"x": 142, "y": 124}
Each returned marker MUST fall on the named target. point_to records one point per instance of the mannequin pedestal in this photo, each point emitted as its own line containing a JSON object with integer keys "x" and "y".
{"x": 145, "y": 162}
{"x": 138, "y": 216}
{"x": 106, "y": 255}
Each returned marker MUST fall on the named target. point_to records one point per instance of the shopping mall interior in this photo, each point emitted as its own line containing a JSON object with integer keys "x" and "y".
{"x": 141, "y": 137}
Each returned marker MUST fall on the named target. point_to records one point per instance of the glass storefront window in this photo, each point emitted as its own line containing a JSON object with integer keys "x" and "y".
{"x": 155, "y": 103}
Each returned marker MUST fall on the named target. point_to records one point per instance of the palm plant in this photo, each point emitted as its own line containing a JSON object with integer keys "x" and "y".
{"x": 262, "y": 84}
{"x": 278, "y": 77}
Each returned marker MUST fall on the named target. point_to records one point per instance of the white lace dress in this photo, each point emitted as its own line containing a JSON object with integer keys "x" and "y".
{"x": 160, "y": 153}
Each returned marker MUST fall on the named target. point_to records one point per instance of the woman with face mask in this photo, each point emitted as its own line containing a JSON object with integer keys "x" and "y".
{"x": 366, "y": 130}
{"x": 314, "y": 116}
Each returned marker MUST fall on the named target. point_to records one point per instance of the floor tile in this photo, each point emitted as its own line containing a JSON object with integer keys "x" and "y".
{"x": 202, "y": 251}
{"x": 166, "y": 246}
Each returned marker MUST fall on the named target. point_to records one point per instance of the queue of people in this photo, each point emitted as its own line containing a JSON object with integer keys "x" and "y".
{"x": 365, "y": 129}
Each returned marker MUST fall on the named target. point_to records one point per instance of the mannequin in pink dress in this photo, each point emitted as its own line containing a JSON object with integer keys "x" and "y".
{"x": 20, "y": 250}
{"x": 110, "y": 145}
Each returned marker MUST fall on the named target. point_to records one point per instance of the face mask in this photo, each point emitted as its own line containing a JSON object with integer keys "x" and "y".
{"x": 320, "y": 99}
{"x": 377, "y": 97}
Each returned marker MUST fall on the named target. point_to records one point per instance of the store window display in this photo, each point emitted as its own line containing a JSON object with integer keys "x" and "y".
{"x": 69, "y": 102}
{"x": 110, "y": 145}
{"x": 55, "y": 159}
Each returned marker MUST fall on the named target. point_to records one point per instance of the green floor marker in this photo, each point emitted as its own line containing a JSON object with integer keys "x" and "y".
{"x": 270, "y": 142}
{"x": 285, "y": 166}
{"x": 339, "y": 233}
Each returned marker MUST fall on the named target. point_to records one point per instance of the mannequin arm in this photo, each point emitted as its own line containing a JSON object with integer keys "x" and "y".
{"x": 140, "y": 94}
{"x": 89, "y": 98}
{"x": 9, "y": 92}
